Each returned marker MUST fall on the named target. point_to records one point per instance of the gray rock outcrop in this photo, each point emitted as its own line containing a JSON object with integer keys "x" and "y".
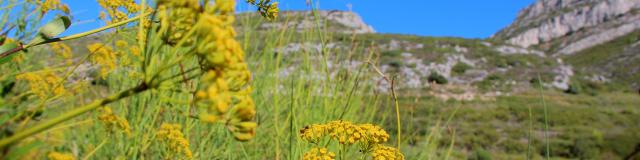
{"x": 548, "y": 20}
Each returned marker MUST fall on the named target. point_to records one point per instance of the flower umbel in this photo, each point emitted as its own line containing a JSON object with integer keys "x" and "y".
{"x": 49, "y": 5}
{"x": 368, "y": 137}
{"x": 62, "y": 50}
{"x": 118, "y": 10}
{"x": 104, "y": 56}
{"x": 43, "y": 83}
{"x": 112, "y": 121}
{"x": 381, "y": 152}
{"x": 319, "y": 154}
{"x": 172, "y": 136}
{"x": 266, "y": 8}
{"x": 60, "y": 156}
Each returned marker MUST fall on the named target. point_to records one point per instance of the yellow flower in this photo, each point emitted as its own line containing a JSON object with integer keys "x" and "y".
{"x": 43, "y": 83}
{"x": 266, "y": 8}
{"x": 111, "y": 121}
{"x": 373, "y": 134}
{"x": 345, "y": 133}
{"x": 104, "y": 56}
{"x": 171, "y": 135}
{"x": 381, "y": 152}
{"x": 60, "y": 156}
{"x": 225, "y": 93}
{"x": 313, "y": 133}
{"x": 118, "y": 10}
{"x": 62, "y": 50}
{"x": 271, "y": 11}
{"x": 177, "y": 18}
{"x": 319, "y": 154}
{"x": 49, "y": 5}
{"x": 135, "y": 50}
{"x": 121, "y": 44}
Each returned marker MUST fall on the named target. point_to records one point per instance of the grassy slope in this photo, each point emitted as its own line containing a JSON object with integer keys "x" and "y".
{"x": 616, "y": 58}
{"x": 591, "y": 127}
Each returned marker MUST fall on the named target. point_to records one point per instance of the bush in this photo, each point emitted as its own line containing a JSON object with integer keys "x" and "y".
{"x": 480, "y": 154}
{"x": 513, "y": 146}
{"x": 536, "y": 82}
{"x": 437, "y": 78}
{"x": 460, "y": 68}
{"x": 573, "y": 89}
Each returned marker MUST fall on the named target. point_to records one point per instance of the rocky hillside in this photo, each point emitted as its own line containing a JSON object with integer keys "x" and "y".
{"x": 599, "y": 38}
{"x": 578, "y": 24}
{"x": 335, "y": 21}
{"x": 577, "y": 46}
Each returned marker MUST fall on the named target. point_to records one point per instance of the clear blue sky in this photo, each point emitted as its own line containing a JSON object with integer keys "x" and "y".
{"x": 460, "y": 18}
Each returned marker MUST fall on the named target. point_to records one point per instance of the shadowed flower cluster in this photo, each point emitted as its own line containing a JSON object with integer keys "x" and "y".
{"x": 43, "y": 83}
{"x": 117, "y": 10}
{"x": 172, "y": 136}
{"x": 113, "y": 121}
{"x": 370, "y": 138}
{"x": 319, "y": 154}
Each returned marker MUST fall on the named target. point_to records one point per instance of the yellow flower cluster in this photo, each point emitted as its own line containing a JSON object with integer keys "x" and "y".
{"x": 49, "y": 5}
{"x": 266, "y": 8}
{"x": 122, "y": 47}
{"x": 345, "y": 133}
{"x": 381, "y": 152}
{"x": 313, "y": 133}
{"x": 373, "y": 135}
{"x": 173, "y": 137}
{"x": 60, "y": 156}
{"x": 62, "y": 50}
{"x": 43, "y": 83}
{"x": 111, "y": 121}
{"x": 227, "y": 74}
{"x": 104, "y": 56}
{"x": 225, "y": 93}
{"x": 368, "y": 136}
{"x": 176, "y": 19}
{"x": 118, "y": 10}
{"x": 319, "y": 154}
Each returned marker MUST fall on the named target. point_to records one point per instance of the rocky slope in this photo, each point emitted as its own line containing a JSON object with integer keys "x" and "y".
{"x": 597, "y": 37}
{"x": 565, "y": 44}
{"x": 337, "y": 21}
{"x": 581, "y": 23}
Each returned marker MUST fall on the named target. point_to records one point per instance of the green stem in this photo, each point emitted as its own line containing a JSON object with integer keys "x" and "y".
{"x": 79, "y": 35}
{"x": 71, "y": 114}
{"x": 395, "y": 100}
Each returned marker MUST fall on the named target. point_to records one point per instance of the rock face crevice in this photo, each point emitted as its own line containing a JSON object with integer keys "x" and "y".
{"x": 547, "y": 20}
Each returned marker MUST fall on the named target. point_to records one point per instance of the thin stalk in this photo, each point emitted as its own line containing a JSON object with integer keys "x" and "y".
{"x": 546, "y": 119}
{"x": 94, "y": 150}
{"x": 395, "y": 100}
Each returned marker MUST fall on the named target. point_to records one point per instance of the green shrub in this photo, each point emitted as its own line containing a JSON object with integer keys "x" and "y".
{"x": 573, "y": 89}
{"x": 480, "y": 154}
{"x": 437, "y": 78}
{"x": 536, "y": 82}
{"x": 513, "y": 146}
{"x": 585, "y": 148}
{"x": 460, "y": 68}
